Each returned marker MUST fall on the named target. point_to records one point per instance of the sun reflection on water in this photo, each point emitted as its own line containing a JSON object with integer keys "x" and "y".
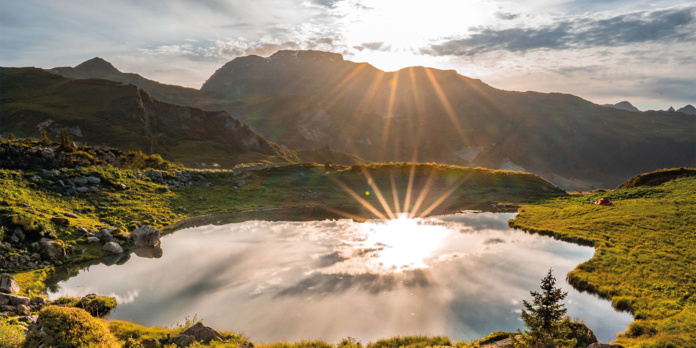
{"x": 390, "y": 246}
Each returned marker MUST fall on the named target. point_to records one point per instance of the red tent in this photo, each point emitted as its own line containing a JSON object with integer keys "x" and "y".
{"x": 604, "y": 201}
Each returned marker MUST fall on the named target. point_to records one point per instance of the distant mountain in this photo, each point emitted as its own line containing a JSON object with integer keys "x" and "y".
{"x": 624, "y": 105}
{"x": 689, "y": 110}
{"x": 100, "y": 69}
{"x": 98, "y": 111}
{"x": 311, "y": 99}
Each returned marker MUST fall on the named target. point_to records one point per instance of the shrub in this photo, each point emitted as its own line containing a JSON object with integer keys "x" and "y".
{"x": 640, "y": 328}
{"x": 97, "y": 306}
{"x": 62, "y": 327}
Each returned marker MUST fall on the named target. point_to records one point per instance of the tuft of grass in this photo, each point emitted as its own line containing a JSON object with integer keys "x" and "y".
{"x": 98, "y": 306}
{"x": 411, "y": 342}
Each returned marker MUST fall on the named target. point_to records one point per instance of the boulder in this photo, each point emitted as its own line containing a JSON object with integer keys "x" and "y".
{"x": 104, "y": 236}
{"x": 145, "y": 236}
{"x": 149, "y": 252}
{"x": 112, "y": 247}
{"x": 7, "y": 284}
{"x": 93, "y": 179}
{"x": 150, "y": 343}
{"x": 602, "y": 345}
{"x": 23, "y": 310}
{"x": 203, "y": 333}
{"x": 53, "y": 250}
{"x": 60, "y": 220}
{"x": 93, "y": 240}
{"x": 18, "y": 234}
{"x": 183, "y": 340}
{"x": 13, "y": 300}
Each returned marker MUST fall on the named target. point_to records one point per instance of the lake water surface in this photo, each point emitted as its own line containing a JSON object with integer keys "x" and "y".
{"x": 462, "y": 276}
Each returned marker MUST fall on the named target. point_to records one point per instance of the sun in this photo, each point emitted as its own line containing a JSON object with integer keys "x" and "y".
{"x": 390, "y": 33}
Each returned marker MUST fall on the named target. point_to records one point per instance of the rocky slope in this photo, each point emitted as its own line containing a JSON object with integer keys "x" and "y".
{"x": 105, "y": 112}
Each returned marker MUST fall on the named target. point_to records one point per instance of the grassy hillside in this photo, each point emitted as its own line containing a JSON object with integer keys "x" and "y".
{"x": 645, "y": 258}
{"x": 104, "y": 112}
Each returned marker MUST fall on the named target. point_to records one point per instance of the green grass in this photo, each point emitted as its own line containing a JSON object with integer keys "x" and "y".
{"x": 70, "y": 327}
{"x": 645, "y": 258}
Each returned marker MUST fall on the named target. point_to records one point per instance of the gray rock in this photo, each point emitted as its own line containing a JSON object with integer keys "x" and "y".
{"x": 150, "y": 343}
{"x": 79, "y": 180}
{"x": 53, "y": 250}
{"x": 38, "y": 301}
{"x": 112, "y": 247}
{"x": 23, "y": 310}
{"x": 35, "y": 178}
{"x": 19, "y": 234}
{"x": 93, "y": 240}
{"x": 72, "y": 190}
{"x": 35, "y": 256}
{"x": 29, "y": 318}
{"x": 51, "y": 172}
{"x": 7, "y": 308}
{"x": 7, "y": 245}
{"x": 104, "y": 236}
{"x": 145, "y": 236}
{"x": 92, "y": 179}
{"x": 82, "y": 189}
{"x": 8, "y": 285}
{"x": 13, "y": 300}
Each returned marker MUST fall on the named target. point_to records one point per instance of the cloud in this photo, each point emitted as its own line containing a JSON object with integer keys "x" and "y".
{"x": 673, "y": 25}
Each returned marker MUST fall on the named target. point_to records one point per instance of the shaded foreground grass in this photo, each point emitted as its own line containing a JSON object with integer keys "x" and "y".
{"x": 645, "y": 255}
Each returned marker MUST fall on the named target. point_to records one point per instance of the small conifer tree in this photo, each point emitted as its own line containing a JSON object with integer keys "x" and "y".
{"x": 543, "y": 317}
{"x": 45, "y": 140}
{"x": 65, "y": 141}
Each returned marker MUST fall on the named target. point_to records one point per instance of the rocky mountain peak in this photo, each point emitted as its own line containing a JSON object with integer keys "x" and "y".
{"x": 97, "y": 64}
{"x": 624, "y": 105}
{"x": 689, "y": 110}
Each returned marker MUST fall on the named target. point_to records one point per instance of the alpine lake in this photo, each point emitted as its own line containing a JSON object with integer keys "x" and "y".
{"x": 276, "y": 276}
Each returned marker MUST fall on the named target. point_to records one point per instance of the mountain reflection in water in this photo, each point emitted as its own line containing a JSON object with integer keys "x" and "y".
{"x": 460, "y": 275}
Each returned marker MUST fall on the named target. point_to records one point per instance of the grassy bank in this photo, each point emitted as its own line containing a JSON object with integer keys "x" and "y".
{"x": 645, "y": 258}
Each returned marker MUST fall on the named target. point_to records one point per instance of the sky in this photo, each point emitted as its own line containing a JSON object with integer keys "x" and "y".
{"x": 605, "y": 51}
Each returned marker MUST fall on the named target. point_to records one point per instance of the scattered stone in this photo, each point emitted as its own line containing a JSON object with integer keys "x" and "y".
{"x": 72, "y": 190}
{"x": 36, "y": 256}
{"x": 7, "y": 245}
{"x": 51, "y": 172}
{"x": 203, "y": 333}
{"x": 7, "y": 308}
{"x": 93, "y": 240}
{"x": 79, "y": 180}
{"x": 111, "y": 230}
{"x": 60, "y": 220}
{"x": 71, "y": 215}
{"x": 183, "y": 340}
{"x": 150, "y": 343}
{"x": 29, "y": 318}
{"x": 53, "y": 250}
{"x": 35, "y": 178}
{"x": 92, "y": 179}
{"x": 104, "y": 236}
{"x": 8, "y": 285}
{"x": 82, "y": 189}
{"x": 39, "y": 301}
{"x": 245, "y": 344}
{"x": 25, "y": 205}
{"x": 18, "y": 234}
{"x": 145, "y": 236}
{"x": 112, "y": 247}
{"x": 23, "y": 310}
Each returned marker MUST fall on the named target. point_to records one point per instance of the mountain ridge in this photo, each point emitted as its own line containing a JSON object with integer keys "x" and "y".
{"x": 311, "y": 99}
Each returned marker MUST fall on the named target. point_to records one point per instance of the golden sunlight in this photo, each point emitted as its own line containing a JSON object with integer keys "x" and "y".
{"x": 403, "y": 244}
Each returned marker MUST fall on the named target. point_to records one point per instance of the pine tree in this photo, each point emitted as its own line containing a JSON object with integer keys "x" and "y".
{"x": 543, "y": 317}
